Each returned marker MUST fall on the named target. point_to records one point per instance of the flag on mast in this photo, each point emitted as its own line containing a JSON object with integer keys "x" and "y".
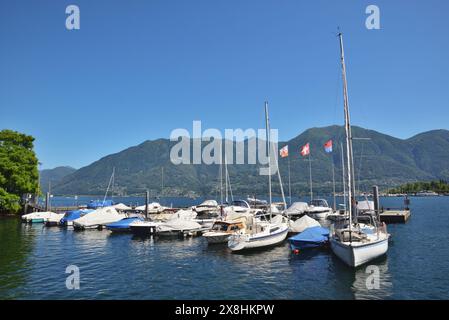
{"x": 328, "y": 146}
{"x": 305, "y": 150}
{"x": 284, "y": 152}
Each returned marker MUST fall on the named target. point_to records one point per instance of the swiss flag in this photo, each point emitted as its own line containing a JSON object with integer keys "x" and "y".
{"x": 305, "y": 150}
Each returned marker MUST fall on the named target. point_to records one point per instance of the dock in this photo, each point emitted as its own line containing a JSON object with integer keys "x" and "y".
{"x": 394, "y": 216}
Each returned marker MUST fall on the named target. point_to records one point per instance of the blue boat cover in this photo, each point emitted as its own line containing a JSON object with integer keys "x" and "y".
{"x": 74, "y": 214}
{"x": 312, "y": 234}
{"x": 123, "y": 224}
{"x": 95, "y": 204}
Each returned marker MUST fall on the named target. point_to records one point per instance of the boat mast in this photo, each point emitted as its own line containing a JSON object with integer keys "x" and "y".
{"x": 349, "y": 155}
{"x": 226, "y": 179}
{"x": 343, "y": 171}
{"x": 310, "y": 178}
{"x": 221, "y": 178}
{"x": 267, "y": 126}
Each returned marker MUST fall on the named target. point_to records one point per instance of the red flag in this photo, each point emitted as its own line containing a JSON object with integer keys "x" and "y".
{"x": 328, "y": 146}
{"x": 284, "y": 152}
{"x": 305, "y": 150}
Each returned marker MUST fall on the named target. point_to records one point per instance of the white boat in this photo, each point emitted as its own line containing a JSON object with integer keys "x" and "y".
{"x": 302, "y": 224}
{"x": 296, "y": 210}
{"x": 208, "y": 206}
{"x": 359, "y": 244}
{"x": 121, "y": 207}
{"x": 177, "y": 227}
{"x": 37, "y": 217}
{"x": 153, "y": 207}
{"x": 53, "y": 219}
{"x": 259, "y": 233}
{"x": 318, "y": 209}
{"x": 353, "y": 242}
{"x": 98, "y": 218}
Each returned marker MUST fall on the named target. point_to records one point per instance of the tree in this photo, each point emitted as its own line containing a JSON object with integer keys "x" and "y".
{"x": 18, "y": 169}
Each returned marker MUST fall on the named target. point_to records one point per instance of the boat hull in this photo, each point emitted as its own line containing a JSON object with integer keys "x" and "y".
{"x": 244, "y": 242}
{"x": 357, "y": 255}
{"x": 216, "y": 239}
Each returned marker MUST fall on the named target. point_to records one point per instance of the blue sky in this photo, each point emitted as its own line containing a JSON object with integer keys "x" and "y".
{"x": 136, "y": 70}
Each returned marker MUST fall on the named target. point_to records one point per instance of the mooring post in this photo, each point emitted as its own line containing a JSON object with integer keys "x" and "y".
{"x": 47, "y": 201}
{"x": 376, "y": 200}
{"x": 147, "y": 202}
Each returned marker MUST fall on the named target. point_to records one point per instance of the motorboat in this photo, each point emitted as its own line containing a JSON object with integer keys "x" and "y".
{"x": 121, "y": 207}
{"x": 53, "y": 219}
{"x": 37, "y": 217}
{"x": 153, "y": 207}
{"x": 143, "y": 227}
{"x": 207, "y": 207}
{"x": 302, "y": 224}
{"x": 123, "y": 225}
{"x": 96, "y": 204}
{"x": 176, "y": 227}
{"x": 296, "y": 210}
{"x": 318, "y": 209}
{"x": 98, "y": 218}
{"x": 254, "y": 202}
{"x": 70, "y": 216}
{"x": 312, "y": 237}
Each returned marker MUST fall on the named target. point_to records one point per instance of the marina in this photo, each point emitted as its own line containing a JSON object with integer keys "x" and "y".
{"x": 121, "y": 265}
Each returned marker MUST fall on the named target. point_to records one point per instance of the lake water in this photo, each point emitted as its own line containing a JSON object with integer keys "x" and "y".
{"x": 33, "y": 261}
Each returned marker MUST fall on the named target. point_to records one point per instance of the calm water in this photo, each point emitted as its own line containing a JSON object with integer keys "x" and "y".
{"x": 33, "y": 260}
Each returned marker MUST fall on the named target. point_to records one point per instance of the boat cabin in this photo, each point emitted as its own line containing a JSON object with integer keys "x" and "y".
{"x": 319, "y": 203}
{"x": 229, "y": 227}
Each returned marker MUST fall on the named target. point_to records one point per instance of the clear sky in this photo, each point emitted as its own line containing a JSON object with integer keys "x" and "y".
{"x": 136, "y": 70}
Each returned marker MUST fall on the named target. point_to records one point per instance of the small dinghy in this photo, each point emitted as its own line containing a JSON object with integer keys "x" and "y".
{"x": 313, "y": 237}
{"x": 122, "y": 225}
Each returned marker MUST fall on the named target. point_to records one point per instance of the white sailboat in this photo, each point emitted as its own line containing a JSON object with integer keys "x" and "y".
{"x": 261, "y": 233}
{"x": 355, "y": 243}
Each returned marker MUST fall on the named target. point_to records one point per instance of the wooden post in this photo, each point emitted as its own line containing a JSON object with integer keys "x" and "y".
{"x": 147, "y": 202}
{"x": 47, "y": 201}
{"x": 376, "y": 200}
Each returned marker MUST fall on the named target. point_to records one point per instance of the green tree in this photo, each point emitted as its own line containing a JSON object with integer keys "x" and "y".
{"x": 18, "y": 169}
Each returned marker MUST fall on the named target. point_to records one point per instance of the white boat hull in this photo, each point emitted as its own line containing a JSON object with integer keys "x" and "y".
{"x": 358, "y": 254}
{"x": 246, "y": 241}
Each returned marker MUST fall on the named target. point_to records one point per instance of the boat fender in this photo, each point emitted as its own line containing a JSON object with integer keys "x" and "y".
{"x": 296, "y": 251}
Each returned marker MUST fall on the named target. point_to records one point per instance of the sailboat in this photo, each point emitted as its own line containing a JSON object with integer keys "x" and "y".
{"x": 353, "y": 242}
{"x": 261, "y": 233}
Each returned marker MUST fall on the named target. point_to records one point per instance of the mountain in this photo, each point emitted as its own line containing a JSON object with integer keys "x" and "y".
{"x": 378, "y": 159}
{"x": 53, "y": 176}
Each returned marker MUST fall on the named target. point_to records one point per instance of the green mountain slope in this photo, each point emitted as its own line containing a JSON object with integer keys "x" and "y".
{"x": 379, "y": 159}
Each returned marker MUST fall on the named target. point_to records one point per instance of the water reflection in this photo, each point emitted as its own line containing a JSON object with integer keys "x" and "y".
{"x": 363, "y": 280}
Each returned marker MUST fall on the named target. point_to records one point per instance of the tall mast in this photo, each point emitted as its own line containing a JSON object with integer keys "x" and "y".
{"x": 349, "y": 155}
{"x": 221, "y": 177}
{"x": 267, "y": 125}
{"x": 310, "y": 178}
{"x": 343, "y": 171}
{"x": 226, "y": 179}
